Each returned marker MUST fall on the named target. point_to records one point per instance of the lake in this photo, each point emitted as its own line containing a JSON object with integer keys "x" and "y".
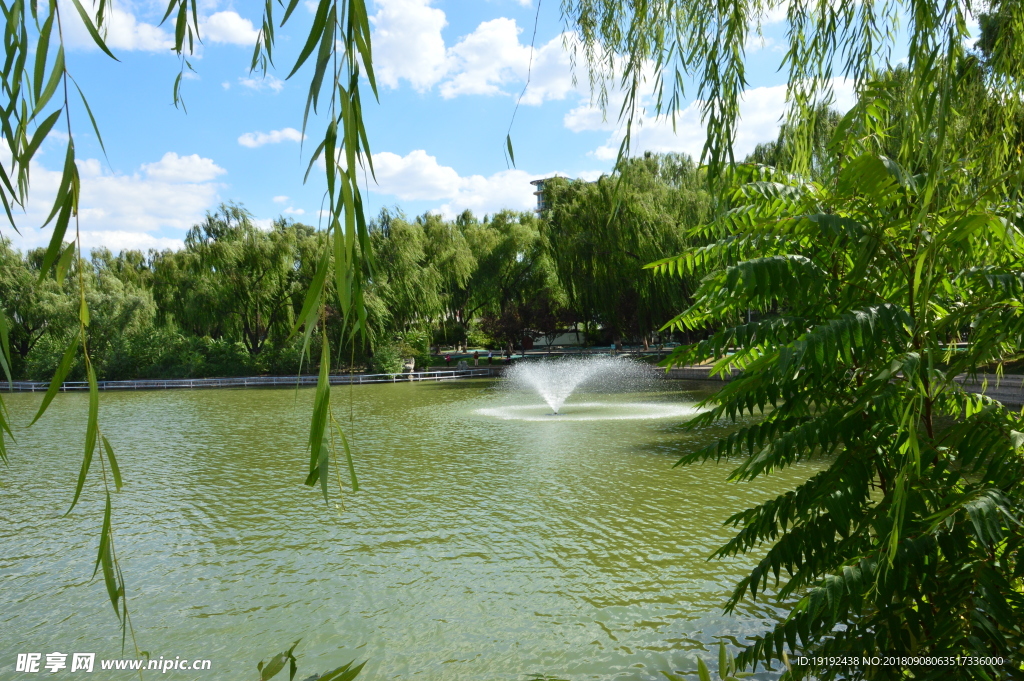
{"x": 479, "y": 547}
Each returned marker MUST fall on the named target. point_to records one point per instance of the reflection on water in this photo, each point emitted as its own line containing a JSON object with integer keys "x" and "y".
{"x": 592, "y": 411}
{"x": 479, "y": 547}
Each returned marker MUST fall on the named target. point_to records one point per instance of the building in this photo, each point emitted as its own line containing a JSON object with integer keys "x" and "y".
{"x": 542, "y": 204}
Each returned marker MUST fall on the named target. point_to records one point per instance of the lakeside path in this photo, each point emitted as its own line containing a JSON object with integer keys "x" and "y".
{"x": 1009, "y": 389}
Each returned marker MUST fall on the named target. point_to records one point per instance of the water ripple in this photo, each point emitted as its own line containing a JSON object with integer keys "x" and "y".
{"x": 480, "y": 547}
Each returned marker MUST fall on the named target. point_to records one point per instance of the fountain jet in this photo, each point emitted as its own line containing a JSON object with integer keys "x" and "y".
{"x": 555, "y": 381}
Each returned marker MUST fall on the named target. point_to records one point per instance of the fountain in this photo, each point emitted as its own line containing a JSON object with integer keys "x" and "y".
{"x": 555, "y": 381}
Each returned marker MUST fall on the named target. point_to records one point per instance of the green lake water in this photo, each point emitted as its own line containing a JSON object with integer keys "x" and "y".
{"x": 482, "y": 545}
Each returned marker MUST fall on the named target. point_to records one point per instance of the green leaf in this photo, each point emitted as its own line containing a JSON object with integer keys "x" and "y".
{"x": 104, "y": 537}
{"x": 180, "y": 26}
{"x": 83, "y": 311}
{"x": 105, "y": 560}
{"x": 702, "y": 671}
{"x": 344, "y": 673}
{"x": 315, "y": 31}
{"x": 277, "y": 663}
{"x": 319, "y": 449}
{"x": 51, "y": 84}
{"x": 5, "y": 346}
{"x": 67, "y": 182}
{"x": 292, "y": 4}
{"x": 64, "y": 262}
{"x": 115, "y": 470}
{"x": 55, "y": 248}
{"x": 309, "y": 307}
{"x": 41, "y": 132}
{"x": 351, "y": 464}
{"x": 91, "y": 433}
{"x": 508, "y": 146}
{"x": 89, "y": 26}
{"x": 59, "y": 375}
{"x": 176, "y": 92}
{"x": 4, "y": 428}
{"x": 42, "y": 49}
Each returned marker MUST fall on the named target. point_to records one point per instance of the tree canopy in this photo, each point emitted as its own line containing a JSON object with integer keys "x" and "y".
{"x": 602, "y": 234}
{"x": 878, "y": 287}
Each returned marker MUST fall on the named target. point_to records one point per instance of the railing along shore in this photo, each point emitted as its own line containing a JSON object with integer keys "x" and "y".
{"x": 254, "y": 381}
{"x": 1006, "y": 389}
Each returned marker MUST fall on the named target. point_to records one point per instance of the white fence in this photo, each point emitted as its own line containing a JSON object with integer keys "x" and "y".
{"x": 1007, "y": 389}
{"x": 254, "y": 381}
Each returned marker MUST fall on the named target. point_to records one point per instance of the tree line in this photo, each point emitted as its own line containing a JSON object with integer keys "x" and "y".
{"x": 227, "y": 302}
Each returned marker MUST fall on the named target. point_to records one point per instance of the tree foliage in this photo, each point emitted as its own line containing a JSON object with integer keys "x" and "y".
{"x": 601, "y": 235}
{"x": 876, "y": 291}
{"x": 232, "y": 279}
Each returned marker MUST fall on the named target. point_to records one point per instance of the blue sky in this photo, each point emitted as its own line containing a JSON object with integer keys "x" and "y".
{"x": 449, "y": 73}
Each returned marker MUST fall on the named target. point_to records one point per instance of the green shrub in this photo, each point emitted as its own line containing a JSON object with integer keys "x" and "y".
{"x": 387, "y": 359}
{"x": 478, "y": 338}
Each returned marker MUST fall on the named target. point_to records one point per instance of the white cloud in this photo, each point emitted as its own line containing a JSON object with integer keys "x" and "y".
{"x": 551, "y": 75}
{"x": 415, "y": 176}
{"x": 280, "y": 199}
{"x": 259, "y": 84}
{"x": 407, "y": 43}
{"x": 755, "y": 43}
{"x": 293, "y": 211}
{"x": 761, "y": 114}
{"x": 776, "y": 13}
{"x": 145, "y": 209}
{"x": 226, "y": 85}
{"x": 506, "y": 189}
{"x": 491, "y": 57}
{"x": 588, "y": 116}
{"x": 173, "y": 169}
{"x": 258, "y": 139}
{"x": 123, "y": 30}
{"x": 117, "y": 240}
{"x": 230, "y": 28}
{"x": 486, "y": 59}
{"x": 418, "y": 176}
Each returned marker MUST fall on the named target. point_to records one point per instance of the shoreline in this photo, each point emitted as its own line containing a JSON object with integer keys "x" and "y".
{"x": 1008, "y": 389}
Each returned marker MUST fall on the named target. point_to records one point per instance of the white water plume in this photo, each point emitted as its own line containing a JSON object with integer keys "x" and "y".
{"x": 555, "y": 381}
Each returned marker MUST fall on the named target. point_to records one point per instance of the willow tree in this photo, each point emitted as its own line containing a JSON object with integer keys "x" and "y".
{"x": 37, "y": 93}
{"x": 33, "y": 306}
{"x": 514, "y": 291}
{"x": 602, "y": 234}
{"x": 450, "y": 253}
{"x": 407, "y": 283}
{"x": 779, "y": 153}
{"x": 232, "y": 280}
